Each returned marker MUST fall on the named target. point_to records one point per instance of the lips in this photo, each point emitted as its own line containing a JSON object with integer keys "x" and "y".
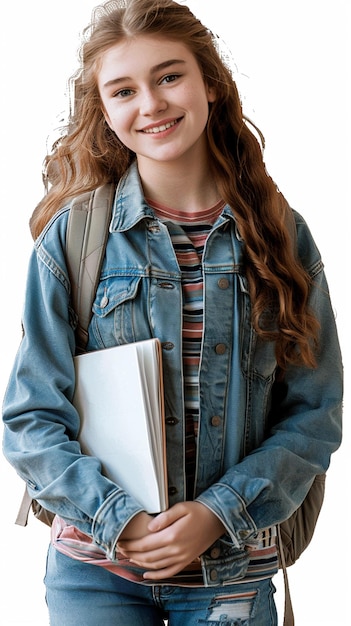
{"x": 154, "y": 130}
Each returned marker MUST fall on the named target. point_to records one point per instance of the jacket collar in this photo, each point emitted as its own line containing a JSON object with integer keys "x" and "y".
{"x": 130, "y": 206}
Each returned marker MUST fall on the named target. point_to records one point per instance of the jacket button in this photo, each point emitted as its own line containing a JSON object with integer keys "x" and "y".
{"x": 104, "y": 302}
{"x": 172, "y": 491}
{"x": 223, "y": 283}
{"x": 167, "y": 345}
{"x": 213, "y": 574}
{"x": 171, "y": 421}
{"x": 216, "y": 420}
{"x": 220, "y": 348}
{"x": 215, "y": 552}
{"x": 153, "y": 227}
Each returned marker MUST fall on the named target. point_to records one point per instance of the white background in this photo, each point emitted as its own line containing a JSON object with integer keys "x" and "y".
{"x": 293, "y": 59}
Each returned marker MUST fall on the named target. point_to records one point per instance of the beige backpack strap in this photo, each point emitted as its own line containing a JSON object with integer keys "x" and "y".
{"x": 23, "y": 513}
{"x": 87, "y": 233}
{"x": 289, "y": 619}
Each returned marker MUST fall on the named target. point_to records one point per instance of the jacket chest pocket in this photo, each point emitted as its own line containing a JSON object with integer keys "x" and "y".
{"x": 258, "y": 356}
{"x": 259, "y": 365}
{"x": 263, "y": 359}
{"x": 119, "y": 314}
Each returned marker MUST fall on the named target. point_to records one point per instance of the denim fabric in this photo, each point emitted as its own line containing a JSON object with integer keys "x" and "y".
{"x": 262, "y": 439}
{"x": 78, "y": 593}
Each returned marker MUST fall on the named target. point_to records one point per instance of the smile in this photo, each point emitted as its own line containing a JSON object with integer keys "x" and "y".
{"x": 161, "y": 128}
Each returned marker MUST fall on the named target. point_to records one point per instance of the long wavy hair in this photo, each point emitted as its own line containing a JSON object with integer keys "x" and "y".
{"x": 89, "y": 154}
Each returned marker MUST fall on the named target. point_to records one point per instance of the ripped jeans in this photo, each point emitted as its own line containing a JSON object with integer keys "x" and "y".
{"x": 80, "y": 593}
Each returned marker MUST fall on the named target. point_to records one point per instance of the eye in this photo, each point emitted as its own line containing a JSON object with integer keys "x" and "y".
{"x": 170, "y": 78}
{"x": 123, "y": 93}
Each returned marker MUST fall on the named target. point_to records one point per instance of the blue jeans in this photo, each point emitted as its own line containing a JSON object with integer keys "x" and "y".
{"x": 80, "y": 593}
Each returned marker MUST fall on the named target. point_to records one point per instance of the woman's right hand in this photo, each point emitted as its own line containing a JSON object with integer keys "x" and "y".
{"x": 137, "y": 527}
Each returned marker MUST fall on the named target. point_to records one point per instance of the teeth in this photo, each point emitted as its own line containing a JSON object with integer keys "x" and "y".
{"x": 160, "y": 129}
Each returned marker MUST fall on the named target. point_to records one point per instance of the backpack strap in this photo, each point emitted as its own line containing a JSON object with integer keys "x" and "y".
{"x": 87, "y": 233}
{"x": 289, "y": 619}
{"x": 25, "y": 506}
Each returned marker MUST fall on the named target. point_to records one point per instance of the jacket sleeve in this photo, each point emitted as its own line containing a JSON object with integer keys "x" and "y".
{"x": 41, "y": 423}
{"x": 304, "y": 428}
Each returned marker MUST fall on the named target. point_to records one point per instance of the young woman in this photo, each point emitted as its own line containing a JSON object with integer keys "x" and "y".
{"x": 202, "y": 255}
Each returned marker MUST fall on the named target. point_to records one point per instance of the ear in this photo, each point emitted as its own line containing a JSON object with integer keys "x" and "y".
{"x": 211, "y": 93}
{"x": 107, "y": 119}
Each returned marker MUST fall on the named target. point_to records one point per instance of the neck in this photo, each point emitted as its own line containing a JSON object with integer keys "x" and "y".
{"x": 182, "y": 186}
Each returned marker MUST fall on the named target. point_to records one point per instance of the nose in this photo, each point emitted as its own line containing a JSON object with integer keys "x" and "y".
{"x": 151, "y": 102}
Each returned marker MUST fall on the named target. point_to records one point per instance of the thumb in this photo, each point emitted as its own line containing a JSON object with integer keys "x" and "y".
{"x": 165, "y": 519}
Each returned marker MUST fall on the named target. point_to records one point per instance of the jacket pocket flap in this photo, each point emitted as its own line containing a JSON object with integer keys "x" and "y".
{"x": 114, "y": 291}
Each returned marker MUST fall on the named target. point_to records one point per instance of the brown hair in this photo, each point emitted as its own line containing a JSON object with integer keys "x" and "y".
{"x": 89, "y": 154}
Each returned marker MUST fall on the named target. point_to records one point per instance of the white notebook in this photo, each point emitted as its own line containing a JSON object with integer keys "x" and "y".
{"x": 119, "y": 397}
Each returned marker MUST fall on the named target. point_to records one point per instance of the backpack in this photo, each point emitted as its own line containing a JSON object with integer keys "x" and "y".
{"x": 87, "y": 233}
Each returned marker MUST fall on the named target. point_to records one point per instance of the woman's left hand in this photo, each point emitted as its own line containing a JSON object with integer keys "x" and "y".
{"x": 176, "y": 537}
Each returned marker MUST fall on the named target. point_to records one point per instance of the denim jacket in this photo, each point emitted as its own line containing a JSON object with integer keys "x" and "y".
{"x": 262, "y": 439}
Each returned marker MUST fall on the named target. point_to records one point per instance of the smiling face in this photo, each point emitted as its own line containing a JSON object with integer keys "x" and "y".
{"x": 155, "y": 99}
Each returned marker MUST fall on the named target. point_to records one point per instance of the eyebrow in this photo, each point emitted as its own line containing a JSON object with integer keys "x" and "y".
{"x": 154, "y": 70}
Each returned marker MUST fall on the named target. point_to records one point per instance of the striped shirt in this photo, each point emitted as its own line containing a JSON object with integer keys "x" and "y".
{"x": 188, "y": 232}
